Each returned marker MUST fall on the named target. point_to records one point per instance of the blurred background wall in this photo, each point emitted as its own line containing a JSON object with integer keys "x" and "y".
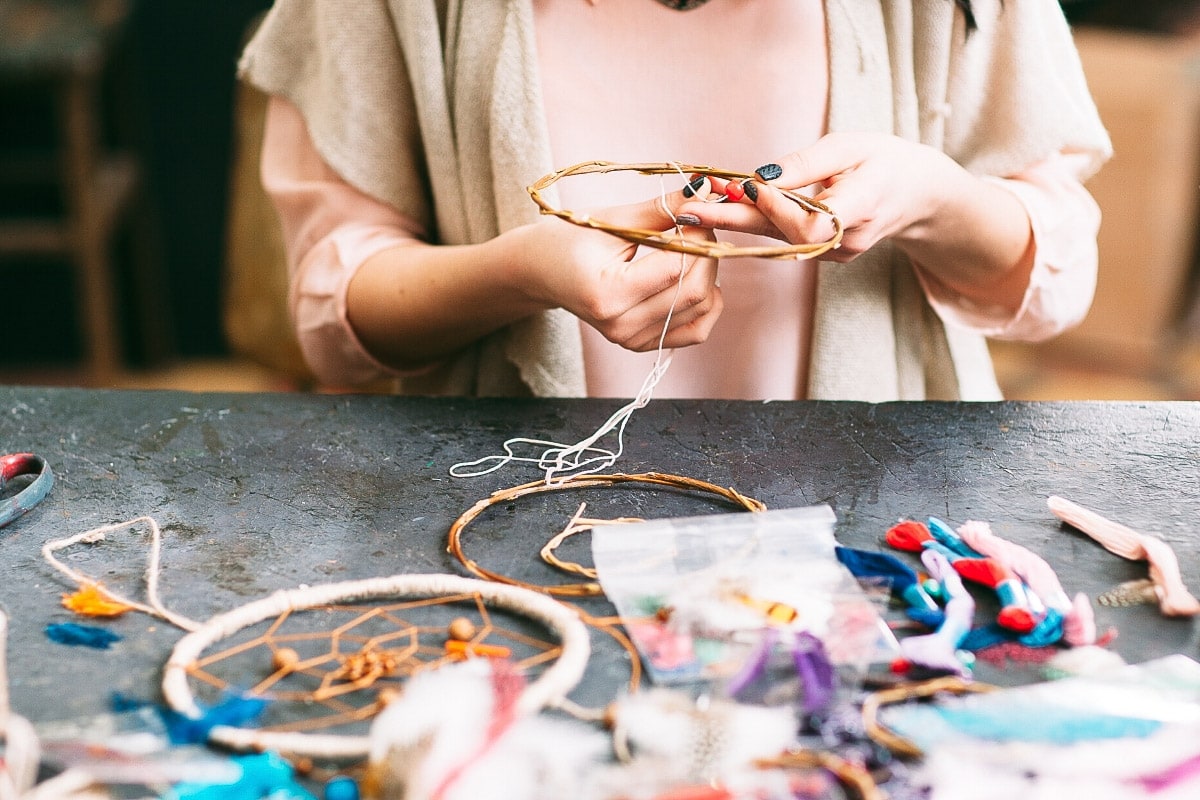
{"x": 166, "y": 97}
{"x": 195, "y": 240}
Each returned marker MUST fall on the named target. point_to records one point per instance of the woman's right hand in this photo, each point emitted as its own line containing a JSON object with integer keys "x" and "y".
{"x": 413, "y": 304}
{"x": 626, "y": 293}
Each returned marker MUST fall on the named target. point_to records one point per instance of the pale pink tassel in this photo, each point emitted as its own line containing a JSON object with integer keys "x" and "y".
{"x": 1079, "y": 620}
{"x": 939, "y": 650}
{"x": 1174, "y": 599}
{"x": 1079, "y": 626}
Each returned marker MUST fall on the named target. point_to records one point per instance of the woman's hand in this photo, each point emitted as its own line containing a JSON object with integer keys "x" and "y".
{"x": 626, "y": 294}
{"x": 970, "y": 234}
{"x": 413, "y": 304}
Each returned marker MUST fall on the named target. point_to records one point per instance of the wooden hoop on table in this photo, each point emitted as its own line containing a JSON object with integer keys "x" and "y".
{"x": 849, "y": 775}
{"x": 550, "y": 688}
{"x": 590, "y": 589}
{"x": 667, "y": 240}
{"x": 913, "y": 691}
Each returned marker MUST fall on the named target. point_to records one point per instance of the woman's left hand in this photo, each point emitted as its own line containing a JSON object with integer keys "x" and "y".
{"x": 970, "y": 234}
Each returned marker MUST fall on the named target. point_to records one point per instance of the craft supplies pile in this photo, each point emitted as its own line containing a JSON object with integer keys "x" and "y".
{"x": 778, "y": 664}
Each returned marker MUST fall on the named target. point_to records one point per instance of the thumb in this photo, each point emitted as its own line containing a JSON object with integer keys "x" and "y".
{"x": 653, "y": 214}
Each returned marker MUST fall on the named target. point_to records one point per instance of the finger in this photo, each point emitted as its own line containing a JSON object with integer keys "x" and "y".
{"x": 686, "y": 324}
{"x": 654, "y": 214}
{"x": 796, "y": 223}
{"x": 687, "y": 297}
{"x": 662, "y": 212}
{"x": 819, "y": 163}
{"x": 686, "y": 334}
{"x": 738, "y": 216}
{"x": 675, "y": 279}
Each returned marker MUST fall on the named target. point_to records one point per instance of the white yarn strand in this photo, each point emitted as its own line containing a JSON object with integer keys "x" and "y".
{"x": 154, "y": 605}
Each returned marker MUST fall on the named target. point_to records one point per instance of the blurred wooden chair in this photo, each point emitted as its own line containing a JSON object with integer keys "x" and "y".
{"x": 256, "y": 319}
{"x": 61, "y": 49}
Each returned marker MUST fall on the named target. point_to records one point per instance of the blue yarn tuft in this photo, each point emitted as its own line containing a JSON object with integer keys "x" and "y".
{"x": 74, "y": 634}
{"x": 902, "y": 578}
{"x": 928, "y": 618}
{"x": 950, "y": 538}
{"x": 233, "y": 710}
{"x": 1047, "y": 632}
{"x": 984, "y": 636}
{"x": 264, "y": 775}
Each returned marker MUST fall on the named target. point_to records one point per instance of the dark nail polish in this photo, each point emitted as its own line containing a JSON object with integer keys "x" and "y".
{"x": 694, "y": 185}
{"x": 769, "y": 172}
{"x": 751, "y": 191}
{"x": 687, "y": 219}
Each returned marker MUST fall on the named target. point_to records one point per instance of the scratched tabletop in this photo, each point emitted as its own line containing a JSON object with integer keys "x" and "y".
{"x": 260, "y": 492}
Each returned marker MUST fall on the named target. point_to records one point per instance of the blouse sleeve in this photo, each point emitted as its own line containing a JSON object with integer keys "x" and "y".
{"x": 329, "y": 230}
{"x": 1065, "y": 220}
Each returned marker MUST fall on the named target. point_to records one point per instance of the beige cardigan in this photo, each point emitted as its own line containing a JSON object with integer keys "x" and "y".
{"x": 452, "y": 135}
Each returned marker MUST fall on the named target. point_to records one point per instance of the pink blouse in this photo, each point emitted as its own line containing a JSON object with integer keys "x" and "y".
{"x": 610, "y": 96}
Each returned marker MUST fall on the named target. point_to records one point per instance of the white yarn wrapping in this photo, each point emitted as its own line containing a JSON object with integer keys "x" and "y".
{"x": 549, "y": 689}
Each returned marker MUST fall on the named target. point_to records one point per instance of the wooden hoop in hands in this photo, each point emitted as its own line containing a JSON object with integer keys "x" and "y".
{"x": 669, "y": 240}
{"x": 592, "y": 588}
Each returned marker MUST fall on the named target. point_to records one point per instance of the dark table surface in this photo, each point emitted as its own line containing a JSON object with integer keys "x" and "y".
{"x": 258, "y": 492}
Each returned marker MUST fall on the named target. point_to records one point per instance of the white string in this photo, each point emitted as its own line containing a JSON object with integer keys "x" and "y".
{"x": 153, "y": 568}
{"x": 560, "y": 462}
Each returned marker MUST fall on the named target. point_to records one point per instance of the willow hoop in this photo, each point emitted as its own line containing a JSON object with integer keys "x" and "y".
{"x": 901, "y": 745}
{"x": 668, "y": 240}
{"x": 849, "y": 774}
{"x": 590, "y": 589}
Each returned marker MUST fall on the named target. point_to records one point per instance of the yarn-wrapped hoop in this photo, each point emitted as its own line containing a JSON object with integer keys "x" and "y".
{"x": 549, "y": 688}
{"x": 900, "y": 745}
{"x": 678, "y": 244}
{"x": 591, "y": 588}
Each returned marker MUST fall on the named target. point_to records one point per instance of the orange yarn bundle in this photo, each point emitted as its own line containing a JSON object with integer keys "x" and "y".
{"x": 92, "y": 601}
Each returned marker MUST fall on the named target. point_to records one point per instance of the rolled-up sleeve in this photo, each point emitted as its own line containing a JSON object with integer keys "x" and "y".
{"x": 330, "y": 229}
{"x": 1065, "y": 221}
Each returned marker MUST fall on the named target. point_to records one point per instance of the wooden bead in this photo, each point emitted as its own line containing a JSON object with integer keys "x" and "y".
{"x": 461, "y": 629}
{"x": 285, "y": 658}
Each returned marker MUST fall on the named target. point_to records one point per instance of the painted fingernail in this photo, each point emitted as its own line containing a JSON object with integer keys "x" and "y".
{"x": 769, "y": 172}
{"x": 751, "y": 191}
{"x": 693, "y": 186}
{"x": 687, "y": 219}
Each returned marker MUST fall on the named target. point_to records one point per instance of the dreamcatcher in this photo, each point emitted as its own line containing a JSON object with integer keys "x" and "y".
{"x": 359, "y": 663}
{"x": 344, "y": 649}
